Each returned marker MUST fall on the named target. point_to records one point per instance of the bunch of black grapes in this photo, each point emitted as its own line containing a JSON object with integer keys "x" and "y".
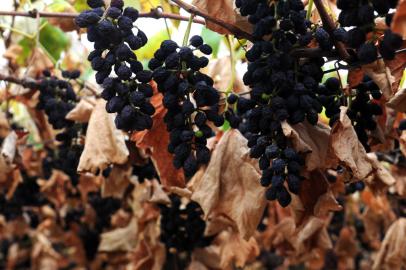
{"x": 362, "y": 108}
{"x": 112, "y": 32}
{"x": 182, "y": 228}
{"x": 57, "y": 97}
{"x": 283, "y": 89}
{"x": 360, "y": 15}
{"x": 190, "y": 99}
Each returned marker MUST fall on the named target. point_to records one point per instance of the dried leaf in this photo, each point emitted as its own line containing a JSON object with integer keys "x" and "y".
{"x": 105, "y": 144}
{"x": 310, "y": 139}
{"x": 381, "y": 174}
{"x": 9, "y": 148}
{"x": 82, "y": 111}
{"x": 382, "y": 76}
{"x": 117, "y": 181}
{"x": 220, "y": 71}
{"x": 230, "y": 185}
{"x": 121, "y": 239}
{"x": 398, "y": 101}
{"x": 4, "y": 126}
{"x": 346, "y": 149}
{"x": 156, "y": 141}
{"x": 222, "y": 10}
{"x": 392, "y": 253}
{"x": 56, "y": 187}
{"x": 234, "y": 250}
{"x": 397, "y": 67}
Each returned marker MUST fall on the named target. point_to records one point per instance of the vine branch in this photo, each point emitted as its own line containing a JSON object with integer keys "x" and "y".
{"x": 154, "y": 13}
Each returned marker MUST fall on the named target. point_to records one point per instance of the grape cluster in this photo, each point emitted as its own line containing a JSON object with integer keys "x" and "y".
{"x": 182, "y": 228}
{"x": 360, "y": 15}
{"x": 361, "y": 108}
{"x": 283, "y": 89}
{"x": 57, "y": 97}
{"x": 190, "y": 99}
{"x": 128, "y": 92}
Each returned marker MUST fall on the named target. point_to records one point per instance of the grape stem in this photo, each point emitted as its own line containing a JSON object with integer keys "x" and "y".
{"x": 309, "y": 9}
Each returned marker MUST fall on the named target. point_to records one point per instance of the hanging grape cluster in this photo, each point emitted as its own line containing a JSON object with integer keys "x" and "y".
{"x": 283, "y": 89}
{"x": 363, "y": 106}
{"x": 128, "y": 92}
{"x": 190, "y": 99}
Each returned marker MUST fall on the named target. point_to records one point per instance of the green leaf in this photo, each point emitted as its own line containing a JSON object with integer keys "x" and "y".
{"x": 154, "y": 42}
{"x": 27, "y": 45}
{"x": 213, "y": 39}
{"x": 54, "y": 40}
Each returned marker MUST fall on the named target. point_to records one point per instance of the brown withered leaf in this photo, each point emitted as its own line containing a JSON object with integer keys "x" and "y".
{"x": 397, "y": 67}
{"x": 117, "y": 181}
{"x": 230, "y": 185}
{"x": 381, "y": 75}
{"x": 346, "y": 248}
{"x": 346, "y": 149}
{"x": 399, "y": 20}
{"x": 222, "y": 10}
{"x": 382, "y": 177}
{"x": 156, "y": 141}
{"x": 82, "y": 111}
{"x": 38, "y": 62}
{"x": 104, "y": 144}
{"x": 56, "y": 187}
{"x": 120, "y": 239}
{"x": 234, "y": 250}
{"x": 392, "y": 253}
{"x": 310, "y": 139}
{"x": 399, "y": 173}
{"x": 66, "y": 24}
{"x": 402, "y": 141}
{"x": 398, "y": 101}
{"x": 4, "y": 125}
{"x": 377, "y": 217}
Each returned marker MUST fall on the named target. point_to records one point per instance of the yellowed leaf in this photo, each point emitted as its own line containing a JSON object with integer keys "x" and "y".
{"x": 104, "y": 144}
{"x": 230, "y": 185}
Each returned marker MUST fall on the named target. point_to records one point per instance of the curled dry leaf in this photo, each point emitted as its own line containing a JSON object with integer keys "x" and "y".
{"x": 346, "y": 149}
{"x": 156, "y": 141}
{"x": 56, "y": 187}
{"x": 105, "y": 144}
{"x": 399, "y": 174}
{"x": 377, "y": 217}
{"x": 381, "y": 176}
{"x": 398, "y": 101}
{"x": 9, "y": 147}
{"x": 117, "y": 181}
{"x": 230, "y": 185}
{"x": 346, "y": 248}
{"x": 382, "y": 76}
{"x": 309, "y": 139}
{"x": 397, "y": 66}
{"x": 120, "y": 239}
{"x": 82, "y": 111}
{"x": 222, "y": 10}
{"x": 392, "y": 253}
